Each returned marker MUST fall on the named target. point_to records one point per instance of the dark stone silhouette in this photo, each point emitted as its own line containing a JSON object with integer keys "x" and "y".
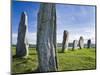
{"x": 65, "y": 41}
{"x": 22, "y": 41}
{"x": 89, "y": 43}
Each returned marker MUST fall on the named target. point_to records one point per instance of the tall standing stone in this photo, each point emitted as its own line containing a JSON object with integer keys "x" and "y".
{"x": 65, "y": 41}
{"x": 81, "y": 42}
{"x": 22, "y": 41}
{"x": 46, "y": 37}
{"x": 75, "y": 44}
{"x": 89, "y": 43}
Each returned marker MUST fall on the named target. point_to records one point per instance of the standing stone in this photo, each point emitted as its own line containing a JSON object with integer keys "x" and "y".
{"x": 22, "y": 42}
{"x": 46, "y": 37}
{"x": 65, "y": 41}
{"x": 75, "y": 44}
{"x": 81, "y": 42}
{"x": 89, "y": 43}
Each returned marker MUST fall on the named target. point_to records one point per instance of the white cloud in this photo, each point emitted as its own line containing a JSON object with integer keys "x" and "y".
{"x": 31, "y": 38}
{"x": 75, "y": 33}
{"x": 14, "y": 38}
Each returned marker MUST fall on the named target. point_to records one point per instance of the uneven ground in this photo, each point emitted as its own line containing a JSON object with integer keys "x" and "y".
{"x": 71, "y": 60}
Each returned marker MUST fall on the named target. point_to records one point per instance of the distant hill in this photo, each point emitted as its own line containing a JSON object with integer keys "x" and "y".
{"x": 59, "y": 45}
{"x": 70, "y": 45}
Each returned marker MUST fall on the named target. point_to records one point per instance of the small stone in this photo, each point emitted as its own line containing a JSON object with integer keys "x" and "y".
{"x": 81, "y": 42}
{"x": 75, "y": 45}
{"x": 89, "y": 43}
{"x": 65, "y": 41}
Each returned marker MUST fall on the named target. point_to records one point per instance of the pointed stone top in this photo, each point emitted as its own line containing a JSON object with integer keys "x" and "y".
{"x": 23, "y": 14}
{"x": 23, "y": 18}
{"x": 65, "y": 31}
{"x": 81, "y": 37}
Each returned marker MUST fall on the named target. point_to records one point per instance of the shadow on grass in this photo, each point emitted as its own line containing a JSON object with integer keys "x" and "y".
{"x": 14, "y": 56}
{"x": 29, "y": 71}
{"x": 69, "y": 50}
{"x": 17, "y": 57}
{"x": 32, "y": 53}
{"x": 32, "y": 71}
{"x": 60, "y": 52}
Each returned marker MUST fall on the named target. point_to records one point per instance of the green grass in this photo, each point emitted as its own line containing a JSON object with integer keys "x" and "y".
{"x": 70, "y": 60}
{"x": 24, "y": 65}
{"x": 77, "y": 60}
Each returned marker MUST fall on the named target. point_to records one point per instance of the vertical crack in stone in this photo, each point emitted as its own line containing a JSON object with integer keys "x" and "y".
{"x": 46, "y": 37}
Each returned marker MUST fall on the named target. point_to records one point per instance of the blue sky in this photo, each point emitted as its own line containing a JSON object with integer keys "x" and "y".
{"x": 78, "y": 20}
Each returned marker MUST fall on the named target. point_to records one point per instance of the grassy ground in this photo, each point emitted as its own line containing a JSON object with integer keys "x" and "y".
{"x": 70, "y": 60}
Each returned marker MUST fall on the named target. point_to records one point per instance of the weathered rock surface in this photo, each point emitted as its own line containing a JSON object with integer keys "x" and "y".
{"x": 46, "y": 37}
{"x": 81, "y": 42}
{"x": 75, "y": 45}
{"x": 22, "y": 41}
{"x": 65, "y": 41}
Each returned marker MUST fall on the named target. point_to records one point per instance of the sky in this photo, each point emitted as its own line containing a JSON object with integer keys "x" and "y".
{"x": 78, "y": 20}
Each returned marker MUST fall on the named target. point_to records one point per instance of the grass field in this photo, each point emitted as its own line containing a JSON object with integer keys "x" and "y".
{"x": 71, "y": 60}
